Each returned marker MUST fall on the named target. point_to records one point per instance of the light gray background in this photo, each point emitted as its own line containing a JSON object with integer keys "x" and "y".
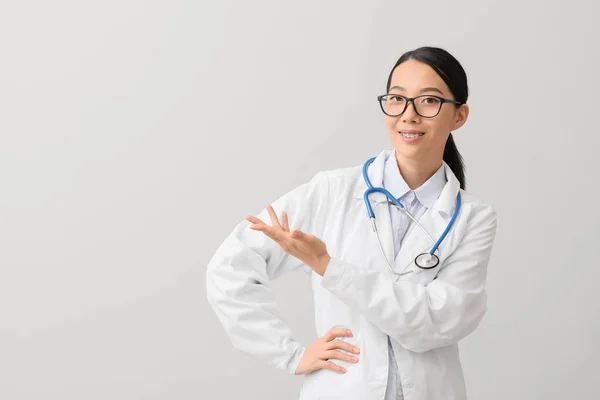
{"x": 136, "y": 134}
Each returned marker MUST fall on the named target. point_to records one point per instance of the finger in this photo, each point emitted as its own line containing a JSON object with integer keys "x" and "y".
{"x": 340, "y": 344}
{"x": 286, "y": 224}
{"x": 274, "y": 219}
{"x": 322, "y": 364}
{"x": 267, "y": 230}
{"x": 254, "y": 220}
{"x": 336, "y": 332}
{"x": 338, "y": 355}
{"x": 258, "y": 225}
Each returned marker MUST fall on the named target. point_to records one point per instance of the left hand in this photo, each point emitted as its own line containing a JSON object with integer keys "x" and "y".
{"x": 308, "y": 248}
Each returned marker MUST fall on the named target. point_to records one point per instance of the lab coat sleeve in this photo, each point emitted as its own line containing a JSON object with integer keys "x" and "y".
{"x": 422, "y": 317}
{"x": 239, "y": 272}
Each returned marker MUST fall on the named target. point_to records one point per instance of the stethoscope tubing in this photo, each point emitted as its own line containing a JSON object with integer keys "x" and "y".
{"x": 394, "y": 201}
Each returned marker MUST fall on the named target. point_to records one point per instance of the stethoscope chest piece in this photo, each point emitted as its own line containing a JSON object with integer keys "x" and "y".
{"x": 427, "y": 261}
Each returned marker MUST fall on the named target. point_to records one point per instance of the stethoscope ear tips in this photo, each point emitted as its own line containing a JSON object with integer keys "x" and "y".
{"x": 427, "y": 261}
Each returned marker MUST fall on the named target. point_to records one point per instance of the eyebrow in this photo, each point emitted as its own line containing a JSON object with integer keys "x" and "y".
{"x": 427, "y": 89}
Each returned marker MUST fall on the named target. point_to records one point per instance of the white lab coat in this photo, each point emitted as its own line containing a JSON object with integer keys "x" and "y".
{"x": 425, "y": 313}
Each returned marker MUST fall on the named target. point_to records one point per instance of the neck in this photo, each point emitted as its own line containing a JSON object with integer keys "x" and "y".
{"x": 416, "y": 172}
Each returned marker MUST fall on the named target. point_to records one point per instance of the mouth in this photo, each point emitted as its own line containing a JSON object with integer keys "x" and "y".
{"x": 411, "y": 136}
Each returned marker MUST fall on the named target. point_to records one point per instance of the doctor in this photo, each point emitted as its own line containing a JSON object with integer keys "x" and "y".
{"x": 387, "y": 328}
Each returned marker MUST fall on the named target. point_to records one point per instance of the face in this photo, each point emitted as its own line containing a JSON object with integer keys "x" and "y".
{"x": 413, "y": 78}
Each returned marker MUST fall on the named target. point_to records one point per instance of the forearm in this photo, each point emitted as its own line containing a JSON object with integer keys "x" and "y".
{"x": 419, "y": 317}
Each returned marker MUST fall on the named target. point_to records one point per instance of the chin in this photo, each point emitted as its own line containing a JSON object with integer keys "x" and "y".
{"x": 408, "y": 151}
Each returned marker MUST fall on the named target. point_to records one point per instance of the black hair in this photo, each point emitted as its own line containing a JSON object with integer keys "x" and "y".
{"x": 453, "y": 74}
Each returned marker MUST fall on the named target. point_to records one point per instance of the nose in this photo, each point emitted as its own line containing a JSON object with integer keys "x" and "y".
{"x": 409, "y": 114}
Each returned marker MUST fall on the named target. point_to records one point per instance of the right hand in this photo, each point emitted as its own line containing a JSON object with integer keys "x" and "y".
{"x": 317, "y": 355}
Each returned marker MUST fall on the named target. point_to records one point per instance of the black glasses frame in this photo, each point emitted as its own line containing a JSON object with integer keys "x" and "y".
{"x": 412, "y": 100}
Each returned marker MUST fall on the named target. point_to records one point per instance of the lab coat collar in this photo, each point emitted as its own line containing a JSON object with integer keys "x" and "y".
{"x": 426, "y": 194}
{"x": 445, "y": 203}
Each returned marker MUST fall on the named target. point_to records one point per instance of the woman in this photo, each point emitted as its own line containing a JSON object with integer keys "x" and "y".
{"x": 388, "y": 328}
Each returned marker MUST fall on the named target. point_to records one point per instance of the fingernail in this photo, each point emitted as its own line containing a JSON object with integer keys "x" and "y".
{"x": 348, "y": 331}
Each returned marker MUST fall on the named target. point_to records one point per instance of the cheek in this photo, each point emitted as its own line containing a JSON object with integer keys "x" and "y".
{"x": 438, "y": 138}
{"x": 390, "y": 124}
{"x": 445, "y": 121}
{"x": 439, "y": 129}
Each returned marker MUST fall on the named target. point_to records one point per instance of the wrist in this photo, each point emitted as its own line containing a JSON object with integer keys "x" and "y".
{"x": 324, "y": 263}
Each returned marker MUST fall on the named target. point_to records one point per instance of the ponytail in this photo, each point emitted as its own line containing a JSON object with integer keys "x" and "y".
{"x": 454, "y": 160}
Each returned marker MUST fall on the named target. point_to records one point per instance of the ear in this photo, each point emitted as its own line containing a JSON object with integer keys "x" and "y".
{"x": 460, "y": 117}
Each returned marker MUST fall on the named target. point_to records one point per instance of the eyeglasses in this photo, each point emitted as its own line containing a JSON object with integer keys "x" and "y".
{"x": 427, "y": 106}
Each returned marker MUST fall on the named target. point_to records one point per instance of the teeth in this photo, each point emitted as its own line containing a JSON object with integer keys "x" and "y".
{"x": 411, "y": 135}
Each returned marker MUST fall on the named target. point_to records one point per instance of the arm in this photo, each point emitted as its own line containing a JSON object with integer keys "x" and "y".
{"x": 238, "y": 274}
{"x": 420, "y": 317}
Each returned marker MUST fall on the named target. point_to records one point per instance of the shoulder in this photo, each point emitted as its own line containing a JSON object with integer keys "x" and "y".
{"x": 341, "y": 173}
{"x": 339, "y": 179}
{"x": 324, "y": 183}
{"x": 480, "y": 211}
{"x": 339, "y": 183}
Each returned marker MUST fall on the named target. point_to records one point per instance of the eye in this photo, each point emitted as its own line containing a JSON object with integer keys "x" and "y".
{"x": 430, "y": 100}
{"x": 395, "y": 98}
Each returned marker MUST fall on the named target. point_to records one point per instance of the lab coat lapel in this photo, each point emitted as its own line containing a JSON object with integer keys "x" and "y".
{"x": 382, "y": 214}
{"x": 434, "y": 221}
{"x": 384, "y": 227}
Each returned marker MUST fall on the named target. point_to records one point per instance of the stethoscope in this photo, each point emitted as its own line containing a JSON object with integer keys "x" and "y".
{"x": 427, "y": 260}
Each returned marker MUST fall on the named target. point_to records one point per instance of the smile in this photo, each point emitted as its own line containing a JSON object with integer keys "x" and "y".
{"x": 411, "y": 135}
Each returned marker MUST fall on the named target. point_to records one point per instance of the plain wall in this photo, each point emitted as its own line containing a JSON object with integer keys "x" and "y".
{"x": 134, "y": 135}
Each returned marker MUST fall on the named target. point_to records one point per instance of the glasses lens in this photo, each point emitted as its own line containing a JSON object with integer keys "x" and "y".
{"x": 428, "y": 106}
{"x": 393, "y": 105}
